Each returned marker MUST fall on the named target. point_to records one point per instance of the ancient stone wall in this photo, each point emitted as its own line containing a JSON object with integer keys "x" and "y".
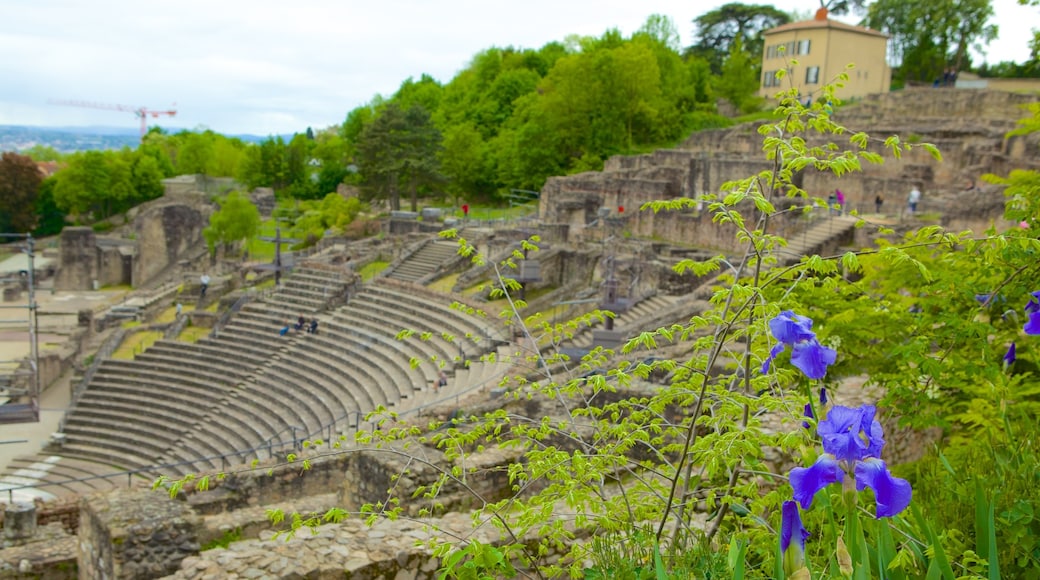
{"x": 968, "y": 127}
{"x": 137, "y": 535}
{"x": 167, "y": 231}
{"x": 77, "y": 268}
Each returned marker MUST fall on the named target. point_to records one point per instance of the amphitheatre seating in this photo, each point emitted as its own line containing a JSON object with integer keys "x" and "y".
{"x": 183, "y": 408}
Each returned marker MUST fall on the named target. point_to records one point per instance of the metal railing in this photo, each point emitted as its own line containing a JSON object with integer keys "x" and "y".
{"x": 104, "y": 352}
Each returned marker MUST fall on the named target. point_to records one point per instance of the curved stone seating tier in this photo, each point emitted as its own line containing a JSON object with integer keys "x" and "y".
{"x": 407, "y": 316}
{"x": 59, "y": 475}
{"x": 230, "y": 363}
{"x": 325, "y": 374}
{"x": 397, "y": 354}
{"x": 129, "y": 440}
{"x": 424, "y": 306}
{"x": 480, "y": 326}
{"x": 210, "y": 347}
{"x": 390, "y": 375}
{"x": 162, "y": 415}
{"x": 209, "y": 384}
{"x": 435, "y": 348}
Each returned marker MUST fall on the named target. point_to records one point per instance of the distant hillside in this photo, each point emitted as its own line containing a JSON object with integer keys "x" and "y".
{"x": 69, "y": 139}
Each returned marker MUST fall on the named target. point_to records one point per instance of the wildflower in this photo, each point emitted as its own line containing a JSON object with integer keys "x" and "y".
{"x": 807, "y": 354}
{"x": 792, "y": 537}
{"x": 807, "y": 413}
{"x": 852, "y": 443}
{"x": 1033, "y": 310}
{"x": 1009, "y": 357}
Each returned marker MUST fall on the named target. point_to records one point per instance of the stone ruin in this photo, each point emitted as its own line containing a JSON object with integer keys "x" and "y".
{"x": 166, "y": 232}
{"x": 969, "y": 128}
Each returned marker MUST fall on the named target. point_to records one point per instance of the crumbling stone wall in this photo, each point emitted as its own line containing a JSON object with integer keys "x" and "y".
{"x": 136, "y": 535}
{"x": 167, "y": 231}
{"x": 77, "y": 268}
{"x": 968, "y": 127}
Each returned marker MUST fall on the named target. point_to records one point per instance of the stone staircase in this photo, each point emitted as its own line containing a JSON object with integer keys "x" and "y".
{"x": 425, "y": 261}
{"x": 628, "y": 322}
{"x": 826, "y": 234}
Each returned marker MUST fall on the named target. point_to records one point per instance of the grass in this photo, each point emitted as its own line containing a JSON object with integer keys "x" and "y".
{"x": 170, "y": 314}
{"x": 369, "y": 270}
{"x": 269, "y": 283}
{"x": 490, "y": 212}
{"x": 445, "y": 284}
{"x": 136, "y": 343}
{"x": 193, "y": 334}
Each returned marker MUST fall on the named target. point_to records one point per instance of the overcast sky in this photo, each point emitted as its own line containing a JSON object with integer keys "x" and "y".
{"x": 270, "y": 67}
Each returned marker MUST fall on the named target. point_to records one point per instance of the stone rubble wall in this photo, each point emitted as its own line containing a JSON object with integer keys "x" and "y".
{"x": 968, "y": 127}
{"x": 138, "y": 535}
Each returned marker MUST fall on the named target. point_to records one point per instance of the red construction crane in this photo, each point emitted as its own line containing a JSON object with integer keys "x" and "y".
{"x": 141, "y": 112}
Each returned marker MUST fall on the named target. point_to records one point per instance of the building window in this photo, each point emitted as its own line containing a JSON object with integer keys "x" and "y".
{"x": 812, "y": 75}
{"x": 803, "y": 47}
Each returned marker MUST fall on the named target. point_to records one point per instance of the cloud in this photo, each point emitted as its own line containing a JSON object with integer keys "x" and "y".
{"x": 270, "y": 66}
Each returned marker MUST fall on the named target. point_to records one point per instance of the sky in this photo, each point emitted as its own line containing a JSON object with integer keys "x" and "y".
{"x": 267, "y": 67}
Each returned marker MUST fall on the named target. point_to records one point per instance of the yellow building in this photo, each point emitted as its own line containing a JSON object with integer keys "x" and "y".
{"x": 823, "y": 48}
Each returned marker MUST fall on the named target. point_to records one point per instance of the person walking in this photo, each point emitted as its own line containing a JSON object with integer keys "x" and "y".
{"x": 203, "y": 285}
{"x": 840, "y": 196}
{"x": 878, "y": 200}
{"x": 913, "y": 199}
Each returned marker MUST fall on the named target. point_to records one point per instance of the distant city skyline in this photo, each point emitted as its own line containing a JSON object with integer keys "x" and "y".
{"x": 269, "y": 67}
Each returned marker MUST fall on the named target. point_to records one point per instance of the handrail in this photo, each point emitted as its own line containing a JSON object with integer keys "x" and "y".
{"x": 104, "y": 352}
{"x": 269, "y": 445}
{"x": 223, "y": 320}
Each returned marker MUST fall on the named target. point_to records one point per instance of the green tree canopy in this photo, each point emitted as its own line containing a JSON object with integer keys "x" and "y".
{"x": 927, "y": 36}
{"x": 236, "y": 220}
{"x": 399, "y": 148}
{"x": 717, "y": 30}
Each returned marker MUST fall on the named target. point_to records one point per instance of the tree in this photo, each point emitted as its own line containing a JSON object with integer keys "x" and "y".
{"x": 930, "y": 36}
{"x": 147, "y": 178}
{"x": 20, "y": 180}
{"x": 49, "y": 218}
{"x": 738, "y": 83}
{"x": 83, "y": 184}
{"x": 195, "y": 153}
{"x": 399, "y": 147}
{"x": 420, "y": 163}
{"x": 843, "y": 6}
{"x": 236, "y": 220}
{"x": 462, "y": 159}
{"x": 717, "y": 30}
{"x": 40, "y": 152}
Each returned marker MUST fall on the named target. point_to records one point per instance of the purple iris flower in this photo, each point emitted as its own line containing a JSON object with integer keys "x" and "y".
{"x": 823, "y": 395}
{"x": 808, "y": 414}
{"x": 851, "y": 434}
{"x": 792, "y": 537}
{"x": 1033, "y": 310}
{"x": 1009, "y": 357}
{"x": 852, "y": 443}
{"x": 807, "y": 354}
